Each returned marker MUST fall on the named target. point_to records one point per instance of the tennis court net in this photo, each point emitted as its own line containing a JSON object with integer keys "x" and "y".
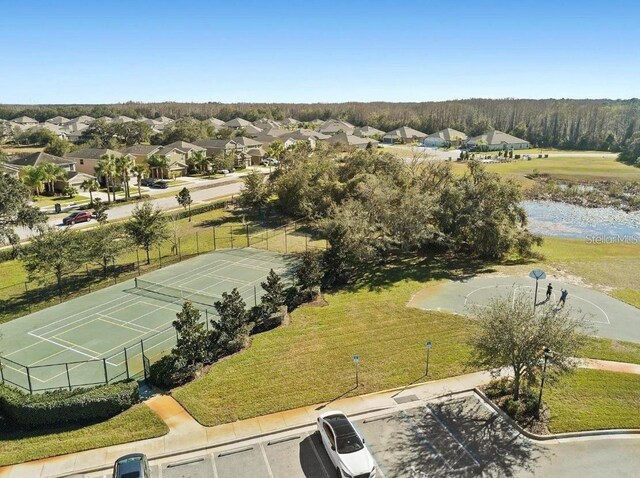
{"x": 166, "y": 292}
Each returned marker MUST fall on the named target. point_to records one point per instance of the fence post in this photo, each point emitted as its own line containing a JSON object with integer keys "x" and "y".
{"x": 66, "y": 366}
{"x": 246, "y": 231}
{"x": 126, "y": 362}
{"x": 231, "y": 232}
{"x": 106, "y": 376}
{"x": 1, "y": 373}
{"x": 197, "y": 244}
{"x": 255, "y": 295}
{"x": 29, "y": 380}
{"x": 285, "y": 238}
{"x": 138, "y": 259}
{"x": 144, "y": 368}
{"x": 214, "y": 238}
{"x": 113, "y": 266}
{"x": 159, "y": 256}
{"x": 86, "y": 268}
{"x": 26, "y": 292}
{"x": 179, "y": 250}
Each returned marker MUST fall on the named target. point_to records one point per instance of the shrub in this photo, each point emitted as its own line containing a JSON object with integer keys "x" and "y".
{"x": 170, "y": 371}
{"x": 61, "y": 407}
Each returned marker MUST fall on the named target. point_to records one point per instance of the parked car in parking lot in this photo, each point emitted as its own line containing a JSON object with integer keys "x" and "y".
{"x": 134, "y": 465}
{"x": 345, "y": 446}
{"x": 147, "y": 182}
{"x": 160, "y": 184}
{"x": 80, "y": 216}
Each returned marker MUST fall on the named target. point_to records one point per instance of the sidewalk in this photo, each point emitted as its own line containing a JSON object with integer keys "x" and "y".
{"x": 187, "y": 435}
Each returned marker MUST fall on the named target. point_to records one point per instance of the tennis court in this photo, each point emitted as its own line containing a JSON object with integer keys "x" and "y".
{"x": 102, "y": 337}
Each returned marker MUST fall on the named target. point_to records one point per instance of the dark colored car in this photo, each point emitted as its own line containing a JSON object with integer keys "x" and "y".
{"x": 147, "y": 182}
{"x": 160, "y": 184}
{"x": 80, "y": 216}
{"x": 134, "y": 465}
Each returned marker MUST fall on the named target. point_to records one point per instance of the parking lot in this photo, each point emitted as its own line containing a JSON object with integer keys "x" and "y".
{"x": 460, "y": 437}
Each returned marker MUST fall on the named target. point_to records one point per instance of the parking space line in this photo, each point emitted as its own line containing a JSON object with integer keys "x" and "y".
{"x": 315, "y": 452}
{"x": 266, "y": 460}
{"x": 213, "y": 466}
{"x": 424, "y": 439}
{"x": 455, "y": 439}
{"x": 237, "y": 450}
{"x": 283, "y": 440}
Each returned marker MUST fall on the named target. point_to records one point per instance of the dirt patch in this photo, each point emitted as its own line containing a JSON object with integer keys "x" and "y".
{"x": 420, "y": 296}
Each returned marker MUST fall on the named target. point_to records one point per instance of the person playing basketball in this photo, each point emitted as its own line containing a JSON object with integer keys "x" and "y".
{"x": 563, "y": 297}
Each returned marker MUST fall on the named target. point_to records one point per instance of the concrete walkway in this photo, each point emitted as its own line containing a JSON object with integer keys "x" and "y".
{"x": 186, "y": 435}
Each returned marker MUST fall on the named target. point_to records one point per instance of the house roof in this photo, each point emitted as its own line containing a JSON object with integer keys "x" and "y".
{"x": 349, "y": 139}
{"x": 406, "y": 133}
{"x": 24, "y": 120}
{"x": 57, "y": 120}
{"x": 335, "y": 126}
{"x": 251, "y": 129}
{"x": 448, "y": 134}
{"x": 215, "y": 143}
{"x": 497, "y": 137}
{"x": 289, "y": 121}
{"x": 164, "y": 119}
{"x": 76, "y": 178}
{"x": 274, "y": 132}
{"x": 214, "y": 121}
{"x": 367, "y": 131}
{"x": 246, "y": 142}
{"x": 82, "y": 119}
{"x": 237, "y": 123}
{"x": 93, "y": 153}
{"x": 307, "y": 133}
{"x": 9, "y": 169}
{"x": 142, "y": 149}
{"x": 35, "y": 159}
{"x": 256, "y": 152}
{"x": 122, "y": 119}
{"x": 266, "y": 124}
{"x": 183, "y": 146}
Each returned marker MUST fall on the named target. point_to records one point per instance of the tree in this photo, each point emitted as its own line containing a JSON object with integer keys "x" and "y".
{"x": 630, "y": 153}
{"x": 33, "y": 177}
{"x": 90, "y": 185}
{"x": 105, "y": 244}
{"x": 123, "y": 172}
{"x": 106, "y": 168}
{"x": 276, "y": 150}
{"x": 184, "y": 199}
{"x": 199, "y": 159}
{"x": 191, "y": 343}
{"x": 309, "y": 271}
{"x": 139, "y": 171}
{"x": 54, "y": 252}
{"x": 147, "y": 226}
{"x": 231, "y": 328}
{"x": 51, "y": 173}
{"x": 510, "y": 334}
{"x": 255, "y": 194}
{"x": 158, "y": 163}
{"x": 69, "y": 191}
{"x": 100, "y": 211}
{"x": 15, "y": 210}
{"x": 273, "y": 297}
{"x": 58, "y": 147}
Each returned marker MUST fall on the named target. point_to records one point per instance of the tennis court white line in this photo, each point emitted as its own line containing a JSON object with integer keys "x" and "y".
{"x": 125, "y": 324}
{"x": 73, "y": 344}
{"x": 63, "y": 346}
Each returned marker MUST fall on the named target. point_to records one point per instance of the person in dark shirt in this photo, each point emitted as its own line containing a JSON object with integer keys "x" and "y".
{"x": 549, "y": 290}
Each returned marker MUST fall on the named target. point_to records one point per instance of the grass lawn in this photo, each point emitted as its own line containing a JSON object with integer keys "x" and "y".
{"x": 137, "y": 423}
{"x": 44, "y": 201}
{"x": 594, "y": 400}
{"x": 310, "y": 361}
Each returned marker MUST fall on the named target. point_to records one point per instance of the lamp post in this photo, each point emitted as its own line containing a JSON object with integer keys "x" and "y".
{"x": 547, "y": 354}
{"x": 356, "y": 359}
{"x": 426, "y": 372}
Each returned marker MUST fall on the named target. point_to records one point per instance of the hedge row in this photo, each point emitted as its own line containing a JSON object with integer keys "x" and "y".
{"x": 62, "y": 407}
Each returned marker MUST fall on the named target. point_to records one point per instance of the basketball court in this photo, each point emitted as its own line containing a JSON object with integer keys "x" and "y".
{"x": 609, "y": 317}
{"x": 101, "y": 337}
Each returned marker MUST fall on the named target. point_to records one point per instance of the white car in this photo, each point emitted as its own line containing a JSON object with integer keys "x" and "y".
{"x": 345, "y": 446}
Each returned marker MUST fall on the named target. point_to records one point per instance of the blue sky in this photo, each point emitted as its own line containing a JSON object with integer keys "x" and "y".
{"x": 330, "y": 51}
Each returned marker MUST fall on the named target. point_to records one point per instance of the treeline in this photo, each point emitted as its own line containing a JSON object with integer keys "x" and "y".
{"x": 575, "y": 124}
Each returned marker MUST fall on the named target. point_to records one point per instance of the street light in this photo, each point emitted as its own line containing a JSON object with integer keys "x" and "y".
{"x": 547, "y": 354}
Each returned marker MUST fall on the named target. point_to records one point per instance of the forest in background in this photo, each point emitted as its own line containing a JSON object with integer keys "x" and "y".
{"x": 570, "y": 124}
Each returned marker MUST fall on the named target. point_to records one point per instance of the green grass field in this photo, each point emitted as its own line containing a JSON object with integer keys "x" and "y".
{"x": 138, "y": 423}
{"x": 594, "y": 400}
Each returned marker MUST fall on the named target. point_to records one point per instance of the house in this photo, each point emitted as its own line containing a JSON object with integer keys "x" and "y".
{"x": 255, "y": 155}
{"x": 350, "y": 141}
{"x": 122, "y": 119}
{"x": 82, "y": 119}
{"x": 333, "y": 126}
{"x": 290, "y": 122}
{"x": 87, "y": 159}
{"x": 266, "y": 123}
{"x": 445, "y": 137}
{"x": 25, "y": 121}
{"x": 57, "y": 120}
{"x": 290, "y": 140}
{"x": 497, "y": 141}
{"x": 37, "y": 159}
{"x": 403, "y": 135}
{"x": 142, "y": 152}
{"x": 273, "y": 132}
{"x": 251, "y": 130}
{"x": 368, "y": 132}
{"x": 7, "y": 169}
{"x": 76, "y": 179}
{"x": 59, "y": 131}
{"x": 105, "y": 119}
{"x": 237, "y": 123}
{"x": 217, "y": 146}
{"x": 243, "y": 143}
{"x": 187, "y": 148}
{"x": 215, "y": 122}
{"x": 303, "y": 133}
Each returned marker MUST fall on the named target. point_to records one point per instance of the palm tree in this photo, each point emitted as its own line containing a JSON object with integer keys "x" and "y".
{"x": 90, "y": 185}
{"x": 139, "y": 171}
{"x": 200, "y": 158}
{"x": 123, "y": 169}
{"x": 33, "y": 177}
{"x": 106, "y": 168}
{"x": 51, "y": 173}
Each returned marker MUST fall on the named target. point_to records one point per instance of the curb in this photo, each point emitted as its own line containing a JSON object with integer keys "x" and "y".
{"x": 555, "y": 436}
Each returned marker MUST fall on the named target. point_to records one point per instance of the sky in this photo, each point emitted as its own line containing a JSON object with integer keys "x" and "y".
{"x": 108, "y": 51}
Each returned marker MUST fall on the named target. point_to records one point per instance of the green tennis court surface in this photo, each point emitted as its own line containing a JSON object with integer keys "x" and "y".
{"x": 609, "y": 317}
{"x": 101, "y": 336}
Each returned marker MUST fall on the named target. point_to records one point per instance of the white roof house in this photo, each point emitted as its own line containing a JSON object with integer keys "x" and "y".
{"x": 443, "y": 137}
{"x": 496, "y": 141}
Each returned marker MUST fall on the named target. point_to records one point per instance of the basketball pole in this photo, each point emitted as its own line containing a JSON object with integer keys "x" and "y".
{"x": 535, "y": 297}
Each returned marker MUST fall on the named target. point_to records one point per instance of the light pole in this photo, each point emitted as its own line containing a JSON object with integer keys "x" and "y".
{"x": 426, "y": 372}
{"x": 547, "y": 354}
{"x": 356, "y": 359}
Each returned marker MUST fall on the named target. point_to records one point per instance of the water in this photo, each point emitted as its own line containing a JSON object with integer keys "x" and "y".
{"x": 550, "y": 218}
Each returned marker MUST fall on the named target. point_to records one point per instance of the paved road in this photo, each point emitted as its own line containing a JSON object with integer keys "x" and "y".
{"x": 457, "y": 437}
{"x": 166, "y": 203}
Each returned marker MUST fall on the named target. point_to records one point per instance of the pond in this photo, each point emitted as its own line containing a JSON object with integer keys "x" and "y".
{"x": 607, "y": 224}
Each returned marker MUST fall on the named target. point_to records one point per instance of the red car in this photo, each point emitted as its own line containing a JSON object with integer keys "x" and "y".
{"x": 81, "y": 216}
